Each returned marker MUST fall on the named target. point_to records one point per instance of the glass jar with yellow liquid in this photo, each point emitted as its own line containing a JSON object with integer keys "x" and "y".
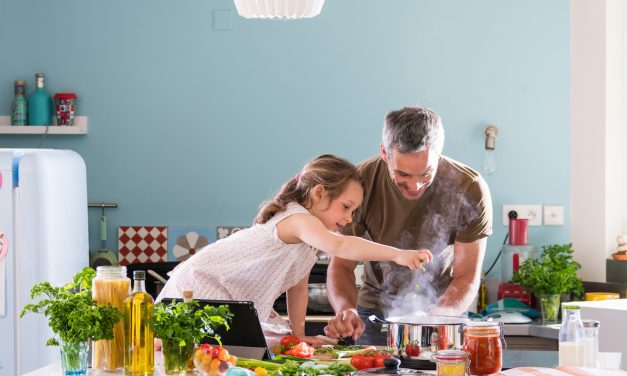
{"x": 111, "y": 285}
{"x": 138, "y": 333}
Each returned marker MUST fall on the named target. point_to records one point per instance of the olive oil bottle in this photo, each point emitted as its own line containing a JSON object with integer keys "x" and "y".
{"x": 138, "y": 334}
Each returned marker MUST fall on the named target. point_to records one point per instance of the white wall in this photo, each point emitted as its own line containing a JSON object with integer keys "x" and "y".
{"x": 598, "y": 160}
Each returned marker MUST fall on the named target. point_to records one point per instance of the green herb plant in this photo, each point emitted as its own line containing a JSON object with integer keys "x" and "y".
{"x": 553, "y": 273}
{"x": 184, "y": 324}
{"x": 72, "y": 314}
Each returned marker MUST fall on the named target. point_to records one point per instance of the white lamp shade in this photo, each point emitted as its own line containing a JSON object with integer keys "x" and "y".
{"x": 281, "y": 9}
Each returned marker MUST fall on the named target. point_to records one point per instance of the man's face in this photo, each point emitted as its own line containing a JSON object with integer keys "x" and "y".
{"x": 412, "y": 173}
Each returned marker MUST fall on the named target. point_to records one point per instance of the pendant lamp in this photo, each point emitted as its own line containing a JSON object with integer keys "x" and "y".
{"x": 279, "y": 9}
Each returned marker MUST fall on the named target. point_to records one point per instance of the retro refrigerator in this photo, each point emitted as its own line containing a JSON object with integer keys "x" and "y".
{"x": 43, "y": 237}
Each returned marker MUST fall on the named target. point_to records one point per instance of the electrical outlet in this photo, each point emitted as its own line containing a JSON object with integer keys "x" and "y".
{"x": 531, "y": 212}
{"x": 553, "y": 215}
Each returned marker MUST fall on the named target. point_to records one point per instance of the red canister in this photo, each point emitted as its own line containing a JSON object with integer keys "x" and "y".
{"x": 518, "y": 231}
{"x": 65, "y": 108}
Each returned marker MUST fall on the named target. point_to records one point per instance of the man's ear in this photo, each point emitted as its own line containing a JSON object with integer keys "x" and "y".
{"x": 384, "y": 155}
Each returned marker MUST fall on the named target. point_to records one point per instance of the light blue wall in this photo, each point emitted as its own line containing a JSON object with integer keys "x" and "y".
{"x": 191, "y": 125}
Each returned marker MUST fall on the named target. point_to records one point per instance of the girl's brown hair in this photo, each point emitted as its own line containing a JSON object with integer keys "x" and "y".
{"x": 332, "y": 172}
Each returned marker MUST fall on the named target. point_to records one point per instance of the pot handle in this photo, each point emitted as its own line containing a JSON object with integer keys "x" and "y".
{"x": 375, "y": 320}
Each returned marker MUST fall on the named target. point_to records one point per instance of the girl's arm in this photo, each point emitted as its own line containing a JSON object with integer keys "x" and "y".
{"x": 297, "y": 297}
{"x": 309, "y": 229}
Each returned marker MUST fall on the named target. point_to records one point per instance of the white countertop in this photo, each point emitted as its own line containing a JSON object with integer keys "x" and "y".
{"x": 607, "y": 360}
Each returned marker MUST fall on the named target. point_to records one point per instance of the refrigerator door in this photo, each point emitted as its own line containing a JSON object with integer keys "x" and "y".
{"x": 49, "y": 224}
{"x": 7, "y": 324}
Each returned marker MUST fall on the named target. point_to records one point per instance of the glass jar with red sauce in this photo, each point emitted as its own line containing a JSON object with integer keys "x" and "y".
{"x": 482, "y": 342}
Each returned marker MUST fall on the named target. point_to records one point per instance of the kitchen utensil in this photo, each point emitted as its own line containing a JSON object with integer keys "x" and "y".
{"x": 103, "y": 257}
{"x": 430, "y": 333}
{"x": 392, "y": 366}
{"x": 159, "y": 283}
{"x": 157, "y": 276}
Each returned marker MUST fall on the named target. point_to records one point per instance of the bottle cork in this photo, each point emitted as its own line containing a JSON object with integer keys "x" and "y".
{"x": 187, "y": 296}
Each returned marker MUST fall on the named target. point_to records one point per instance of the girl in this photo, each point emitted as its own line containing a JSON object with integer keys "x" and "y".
{"x": 276, "y": 254}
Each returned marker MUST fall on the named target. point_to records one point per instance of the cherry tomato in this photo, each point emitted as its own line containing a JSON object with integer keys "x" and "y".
{"x": 412, "y": 349}
{"x": 362, "y": 362}
{"x": 214, "y": 352}
{"x": 233, "y": 360}
{"x": 289, "y": 341}
{"x": 301, "y": 350}
{"x": 224, "y": 355}
{"x": 378, "y": 360}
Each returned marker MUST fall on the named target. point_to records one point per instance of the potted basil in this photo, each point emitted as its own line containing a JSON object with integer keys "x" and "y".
{"x": 74, "y": 318}
{"x": 181, "y": 326}
{"x": 549, "y": 276}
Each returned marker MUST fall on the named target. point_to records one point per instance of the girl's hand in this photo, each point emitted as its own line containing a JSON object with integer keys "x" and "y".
{"x": 413, "y": 259}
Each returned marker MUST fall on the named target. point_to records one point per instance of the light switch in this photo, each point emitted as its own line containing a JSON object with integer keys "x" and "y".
{"x": 553, "y": 215}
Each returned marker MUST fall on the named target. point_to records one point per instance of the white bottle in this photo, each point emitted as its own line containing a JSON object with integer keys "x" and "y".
{"x": 571, "y": 338}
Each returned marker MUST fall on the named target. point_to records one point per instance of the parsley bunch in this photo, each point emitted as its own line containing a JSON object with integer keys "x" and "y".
{"x": 72, "y": 314}
{"x": 553, "y": 273}
{"x": 184, "y": 322}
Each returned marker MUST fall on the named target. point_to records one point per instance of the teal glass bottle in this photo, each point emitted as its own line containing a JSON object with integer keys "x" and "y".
{"x": 19, "y": 107}
{"x": 39, "y": 104}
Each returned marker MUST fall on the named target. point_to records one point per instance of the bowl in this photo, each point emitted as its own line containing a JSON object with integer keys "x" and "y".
{"x": 212, "y": 360}
{"x": 619, "y": 256}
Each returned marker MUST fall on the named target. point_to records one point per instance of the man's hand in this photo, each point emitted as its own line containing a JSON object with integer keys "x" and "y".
{"x": 345, "y": 324}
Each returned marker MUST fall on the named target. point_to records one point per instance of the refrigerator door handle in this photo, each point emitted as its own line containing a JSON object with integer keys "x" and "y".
{"x": 4, "y": 245}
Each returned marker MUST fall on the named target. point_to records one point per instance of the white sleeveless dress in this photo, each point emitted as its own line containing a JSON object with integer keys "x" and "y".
{"x": 252, "y": 264}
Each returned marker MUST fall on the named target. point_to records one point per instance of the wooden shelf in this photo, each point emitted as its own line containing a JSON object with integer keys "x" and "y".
{"x": 79, "y": 127}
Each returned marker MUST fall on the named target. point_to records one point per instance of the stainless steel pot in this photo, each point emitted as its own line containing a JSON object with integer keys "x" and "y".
{"x": 428, "y": 333}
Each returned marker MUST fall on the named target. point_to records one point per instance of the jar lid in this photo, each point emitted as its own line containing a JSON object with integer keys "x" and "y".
{"x": 572, "y": 307}
{"x": 65, "y": 96}
{"x": 482, "y": 324}
{"x": 450, "y": 355}
{"x": 20, "y": 82}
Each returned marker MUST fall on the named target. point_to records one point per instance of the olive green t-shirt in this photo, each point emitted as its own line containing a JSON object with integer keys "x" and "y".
{"x": 455, "y": 207}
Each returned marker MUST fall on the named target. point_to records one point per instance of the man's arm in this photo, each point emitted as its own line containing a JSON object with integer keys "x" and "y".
{"x": 343, "y": 298}
{"x": 467, "y": 263}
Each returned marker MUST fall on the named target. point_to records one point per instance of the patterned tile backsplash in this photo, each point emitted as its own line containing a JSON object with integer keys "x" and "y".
{"x": 187, "y": 240}
{"x": 148, "y": 244}
{"x": 142, "y": 244}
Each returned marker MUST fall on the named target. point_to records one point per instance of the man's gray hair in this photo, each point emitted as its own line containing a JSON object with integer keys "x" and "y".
{"x": 413, "y": 129}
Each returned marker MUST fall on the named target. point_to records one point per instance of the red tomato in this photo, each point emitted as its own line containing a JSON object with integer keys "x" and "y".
{"x": 378, "y": 360}
{"x": 301, "y": 350}
{"x": 362, "y": 362}
{"x": 289, "y": 341}
{"x": 214, "y": 352}
{"x": 412, "y": 349}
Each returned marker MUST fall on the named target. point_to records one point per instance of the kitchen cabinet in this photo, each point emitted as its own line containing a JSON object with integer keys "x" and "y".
{"x": 79, "y": 127}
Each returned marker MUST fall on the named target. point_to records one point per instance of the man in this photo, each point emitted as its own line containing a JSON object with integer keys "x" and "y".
{"x": 415, "y": 198}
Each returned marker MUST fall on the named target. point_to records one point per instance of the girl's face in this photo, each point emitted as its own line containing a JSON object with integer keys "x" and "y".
{"x": 339, "y": 212}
